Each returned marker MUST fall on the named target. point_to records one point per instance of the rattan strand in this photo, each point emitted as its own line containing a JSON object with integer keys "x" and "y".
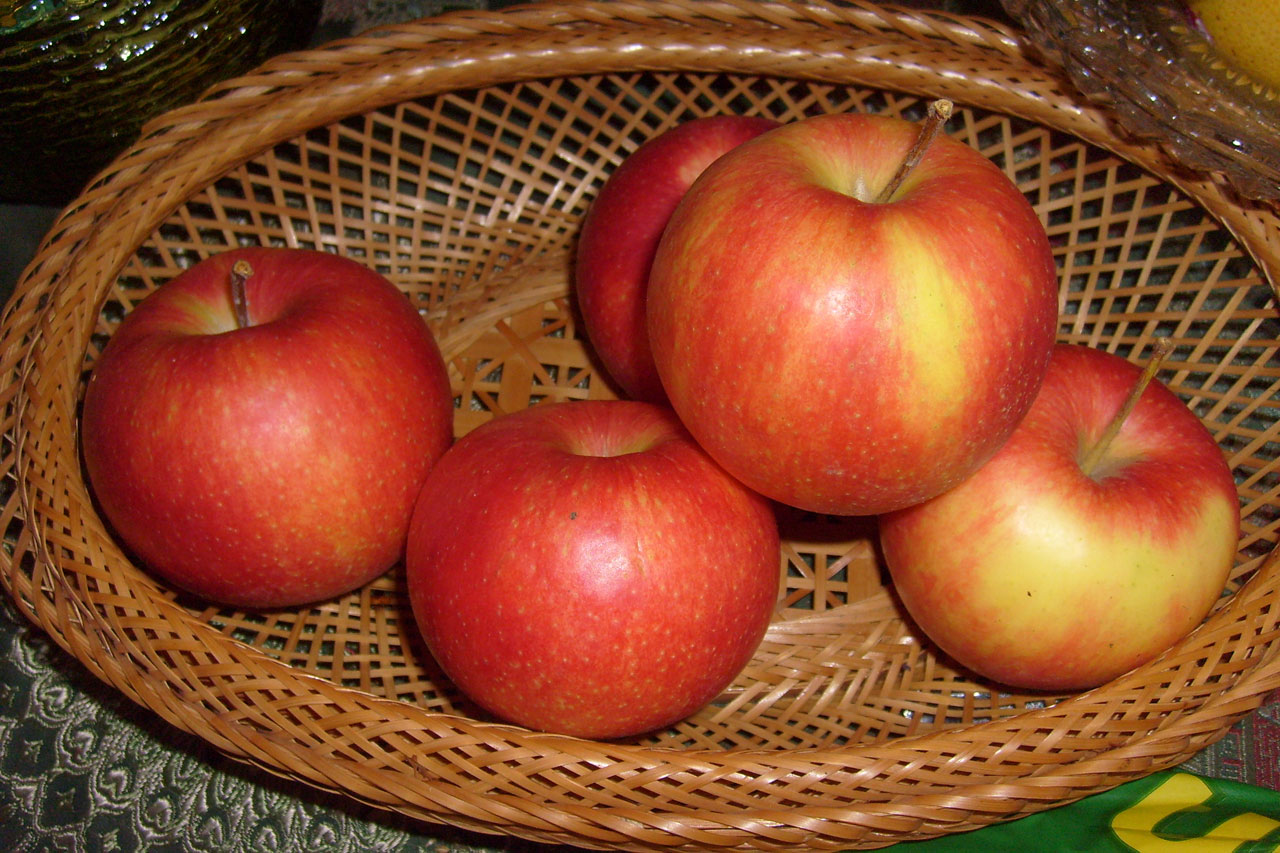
{"x": 457, "y": 155}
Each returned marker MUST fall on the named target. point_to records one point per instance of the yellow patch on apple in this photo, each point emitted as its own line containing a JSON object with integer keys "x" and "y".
{"x": 1246, "y": 33}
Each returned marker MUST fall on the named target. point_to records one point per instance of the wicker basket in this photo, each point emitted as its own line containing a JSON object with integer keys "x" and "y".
{"x": 457, "y": 156}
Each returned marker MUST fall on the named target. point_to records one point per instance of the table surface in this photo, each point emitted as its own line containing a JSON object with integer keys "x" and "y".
{"x": 83, "y": 768}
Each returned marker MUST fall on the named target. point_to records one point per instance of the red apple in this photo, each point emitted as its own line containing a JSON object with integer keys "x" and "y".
{"x": 620, "y": 234}
{"x": 276, "y": 462}
{"x": 842, "y": 354}
{"x": 1048, "y": 569}
{"x": 584, "y": 568}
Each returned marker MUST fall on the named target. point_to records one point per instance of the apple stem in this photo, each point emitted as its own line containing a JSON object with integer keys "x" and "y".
{"x": 240, "y": 273}
{"x": 1091, "y": 459}
{"x": 939, "y": 114}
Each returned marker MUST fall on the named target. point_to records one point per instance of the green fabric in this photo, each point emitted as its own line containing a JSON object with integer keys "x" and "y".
{"x": 1169, "y": 812}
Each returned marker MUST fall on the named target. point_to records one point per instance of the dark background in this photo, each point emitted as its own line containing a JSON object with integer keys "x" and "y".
{"x": 32, "y": 197}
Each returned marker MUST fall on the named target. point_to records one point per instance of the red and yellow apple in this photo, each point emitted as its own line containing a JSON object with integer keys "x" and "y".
{"x": 584, "y": 568}
{"x": 273, "y": 459}
{"x": 839, "y": 353}
{"x": 1068, "y": 559}
{"x": 620, "y": 234}
{"x": 1245, "y": 33}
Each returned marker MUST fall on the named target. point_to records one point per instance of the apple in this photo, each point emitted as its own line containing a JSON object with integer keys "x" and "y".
{"x": 1077, "y": 552}
{"x": 842, "y": 353}
{"x": 584, "y": 568}
{"x": 257, "y": 429}
{"x": 1245, "y": 32}
{"x": 620, "y": 234}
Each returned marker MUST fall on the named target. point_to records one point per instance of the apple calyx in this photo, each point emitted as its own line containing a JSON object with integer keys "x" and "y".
{"x": 240, "y": 273}
{"x": 938, "y": 115}
{"x": 1095, "y": 454}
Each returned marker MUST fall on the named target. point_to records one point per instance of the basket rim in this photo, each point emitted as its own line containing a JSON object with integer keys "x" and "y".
{"x": 246, "y": 116}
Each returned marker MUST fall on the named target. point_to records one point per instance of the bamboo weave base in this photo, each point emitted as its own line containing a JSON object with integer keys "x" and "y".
{"x": 457, "y": 156}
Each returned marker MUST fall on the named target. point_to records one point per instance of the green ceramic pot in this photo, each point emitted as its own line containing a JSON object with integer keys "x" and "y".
{"x": 78, "y": 78}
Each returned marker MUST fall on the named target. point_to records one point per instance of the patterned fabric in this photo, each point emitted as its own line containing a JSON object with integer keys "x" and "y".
{"x": 84, "y": 769}
{"x": 1249, "y": 753}
{"x": 356, "y": 16}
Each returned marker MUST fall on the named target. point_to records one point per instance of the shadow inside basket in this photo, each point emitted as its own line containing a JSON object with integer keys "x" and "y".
{"x": 469, "y": 201}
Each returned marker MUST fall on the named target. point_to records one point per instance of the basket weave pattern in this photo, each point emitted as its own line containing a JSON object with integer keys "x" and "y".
{"x": 456, "y": 156}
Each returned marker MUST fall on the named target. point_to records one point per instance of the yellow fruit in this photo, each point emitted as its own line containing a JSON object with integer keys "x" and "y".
{"x": 1246, "y": 33}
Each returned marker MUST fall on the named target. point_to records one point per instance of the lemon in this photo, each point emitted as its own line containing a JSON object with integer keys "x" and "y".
{"x": 1246, "y": 33}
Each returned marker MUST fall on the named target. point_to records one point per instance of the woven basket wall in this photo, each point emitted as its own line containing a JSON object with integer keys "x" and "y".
{"x": 457, "y": 157}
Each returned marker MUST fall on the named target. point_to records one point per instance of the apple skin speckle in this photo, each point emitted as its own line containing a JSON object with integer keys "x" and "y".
{"x": 275, "y": 464}
{"x": 1068, "y": 578}
{"x": 569, "y": 587}
{"x": 795, "y": 327}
